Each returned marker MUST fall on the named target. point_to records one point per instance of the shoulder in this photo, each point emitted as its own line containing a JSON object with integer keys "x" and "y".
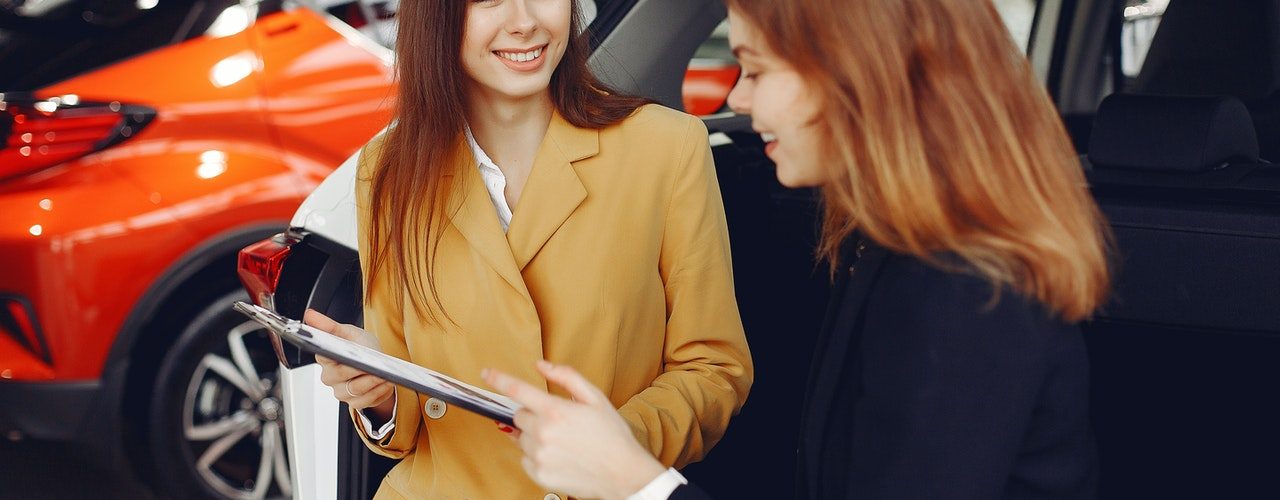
{"x": 369, "y": 156}
{"x": 654, "y": 124}
{"x": 659, "y": 116}
{"x": 953, "y": 298}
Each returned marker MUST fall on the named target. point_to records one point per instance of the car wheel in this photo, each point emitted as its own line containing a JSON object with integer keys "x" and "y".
{"x": 216, "y": 413}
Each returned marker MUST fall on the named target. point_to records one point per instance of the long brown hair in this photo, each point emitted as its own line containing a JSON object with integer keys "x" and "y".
{"x": 411, "y": 184}
{"x": 941, "y": 140}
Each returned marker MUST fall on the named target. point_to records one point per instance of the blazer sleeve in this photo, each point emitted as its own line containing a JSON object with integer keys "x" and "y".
{"x": 689, "y": 492}
{"x": 384, "y": 317}
{"x": 951, "y": 378}
{"x": 707, "y": 367}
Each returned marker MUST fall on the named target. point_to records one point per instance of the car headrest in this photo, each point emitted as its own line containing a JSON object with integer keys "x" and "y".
{"x": 1222, "y": 47}
{"x": 1171, "y": 134}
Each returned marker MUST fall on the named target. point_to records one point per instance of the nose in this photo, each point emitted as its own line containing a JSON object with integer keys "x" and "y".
{"x": 739, "y": 98}
{"x": 521, "y": 20}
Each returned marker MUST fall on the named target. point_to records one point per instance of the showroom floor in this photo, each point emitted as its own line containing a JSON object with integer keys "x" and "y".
{"x": 40, "y": 471}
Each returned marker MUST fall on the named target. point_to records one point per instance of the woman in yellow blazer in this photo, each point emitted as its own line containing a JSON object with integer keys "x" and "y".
{"x": 615, "y": 261}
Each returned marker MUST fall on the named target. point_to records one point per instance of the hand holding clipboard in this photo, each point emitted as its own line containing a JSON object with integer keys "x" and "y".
{"x": 389, "y": 368}
{"x": 359, "y": 390}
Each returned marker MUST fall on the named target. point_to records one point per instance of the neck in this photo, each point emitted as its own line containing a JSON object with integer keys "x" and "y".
{"x": 510, "y": 129}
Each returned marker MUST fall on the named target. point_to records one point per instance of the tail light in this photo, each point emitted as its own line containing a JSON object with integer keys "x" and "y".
{"x": 42, "y": 133}
{"x": 18, "y": 321}
{"x": 259, "y": 267}
{"x": 707, "y": 84}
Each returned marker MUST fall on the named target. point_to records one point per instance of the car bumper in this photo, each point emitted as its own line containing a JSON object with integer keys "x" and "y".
{"x": 46, "y": 410}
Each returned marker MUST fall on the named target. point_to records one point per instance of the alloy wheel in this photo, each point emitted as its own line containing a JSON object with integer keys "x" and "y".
{"x": 233, "y": 418}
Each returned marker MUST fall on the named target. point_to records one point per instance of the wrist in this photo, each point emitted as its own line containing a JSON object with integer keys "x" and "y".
{"x": 634, "y": 478}
{"x": 382, "y": 411}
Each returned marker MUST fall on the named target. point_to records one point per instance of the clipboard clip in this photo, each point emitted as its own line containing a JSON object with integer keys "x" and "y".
{"x": 275, "y": 324}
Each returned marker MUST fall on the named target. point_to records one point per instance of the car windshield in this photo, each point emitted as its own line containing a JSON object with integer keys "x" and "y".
{"x": 46, "y": 41}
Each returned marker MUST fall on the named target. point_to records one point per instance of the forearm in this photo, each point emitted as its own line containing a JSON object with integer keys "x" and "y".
{"x": 684, "y": 412}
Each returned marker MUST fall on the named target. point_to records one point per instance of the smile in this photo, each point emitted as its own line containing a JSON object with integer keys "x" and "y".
{"x": 521, "y": 57}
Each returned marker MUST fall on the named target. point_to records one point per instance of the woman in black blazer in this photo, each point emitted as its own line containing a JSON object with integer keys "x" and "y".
{"x": 924, "y": 388}
{"x": 964, "y": 245}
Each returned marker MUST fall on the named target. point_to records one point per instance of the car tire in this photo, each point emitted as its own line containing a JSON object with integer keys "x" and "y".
{"x": 216, "y": 416}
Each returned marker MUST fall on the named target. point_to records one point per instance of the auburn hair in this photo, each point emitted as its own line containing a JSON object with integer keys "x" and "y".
{"x": 411, "y": 182}
{"x": 940, "y": 140}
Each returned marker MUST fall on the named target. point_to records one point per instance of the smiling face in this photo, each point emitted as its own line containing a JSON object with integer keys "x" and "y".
{"x": 783, "y": 107}
{"x": 510, "y": 48}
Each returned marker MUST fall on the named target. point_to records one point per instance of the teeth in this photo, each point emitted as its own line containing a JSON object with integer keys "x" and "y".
{"x": 767, "y": 137}
{"x": 521, "y": 56}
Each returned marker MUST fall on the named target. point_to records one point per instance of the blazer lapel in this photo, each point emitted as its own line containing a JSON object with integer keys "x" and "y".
{"x": 553, "y": 190}
{"x": 474, "y": 216}
{"x": 831, "y": 359}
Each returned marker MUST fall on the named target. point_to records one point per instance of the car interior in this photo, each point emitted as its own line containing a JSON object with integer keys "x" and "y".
{"x": 1180, "y": 161}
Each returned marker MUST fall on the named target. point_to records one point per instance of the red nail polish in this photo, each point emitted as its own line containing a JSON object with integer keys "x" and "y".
{"x": 505, "y": 429}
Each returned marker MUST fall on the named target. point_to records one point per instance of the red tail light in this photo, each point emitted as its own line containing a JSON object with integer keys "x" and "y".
{"x": 259, "y": 267}
{"x": 707, "y": 84}
{"x": 43, "y": 133}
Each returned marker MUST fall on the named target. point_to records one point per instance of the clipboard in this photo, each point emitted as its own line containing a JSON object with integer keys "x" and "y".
{"x": 386, "y": 367}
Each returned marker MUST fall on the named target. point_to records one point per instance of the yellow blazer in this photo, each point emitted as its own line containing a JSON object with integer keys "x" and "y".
{"x": 616, "y": 262}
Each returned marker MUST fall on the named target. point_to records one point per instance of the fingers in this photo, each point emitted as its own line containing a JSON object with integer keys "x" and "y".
{"x": 524, "y": 420}
{"x": 317, "y": 320}
{"x": 365, "y": 383}
{"x": 349, "y": 332}
{"x": 332, "y": 373}
{"x": 363, "y": 391}
{"x": 510, "y": 431}
{"x": 565, "y": 376}
{"x": 372, "y": 397}
{"x": 533, "y": 398}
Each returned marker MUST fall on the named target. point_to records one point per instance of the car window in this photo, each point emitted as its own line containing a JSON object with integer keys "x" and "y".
{"x": 1141, "y": 20}
{"x": 46, "y": 42}
{"x": 711, "y": 75}
{"x": 1019, "y": 17}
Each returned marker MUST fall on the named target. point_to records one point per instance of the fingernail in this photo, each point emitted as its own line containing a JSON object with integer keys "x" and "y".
{"x": 505, "y": 428}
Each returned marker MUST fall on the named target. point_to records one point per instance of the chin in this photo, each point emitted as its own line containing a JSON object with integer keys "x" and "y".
{"x": 525, "y": 91}
{"x": 789, "y": 176}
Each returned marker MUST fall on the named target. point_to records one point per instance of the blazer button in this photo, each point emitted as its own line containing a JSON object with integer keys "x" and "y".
{"x": 551, "y": 496}
{"x": 435, "y": 408}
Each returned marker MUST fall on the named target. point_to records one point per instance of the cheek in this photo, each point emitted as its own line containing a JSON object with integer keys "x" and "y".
{"x": 803, "y": 151}
{"x": 556, "y": 20}
{"x": 557, "y": 26}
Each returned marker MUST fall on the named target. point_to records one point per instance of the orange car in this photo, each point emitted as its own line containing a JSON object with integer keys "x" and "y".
{"x": 145, "y": 143}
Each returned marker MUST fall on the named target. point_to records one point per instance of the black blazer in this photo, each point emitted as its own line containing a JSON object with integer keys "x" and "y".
{"x": 926, "y": 385}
